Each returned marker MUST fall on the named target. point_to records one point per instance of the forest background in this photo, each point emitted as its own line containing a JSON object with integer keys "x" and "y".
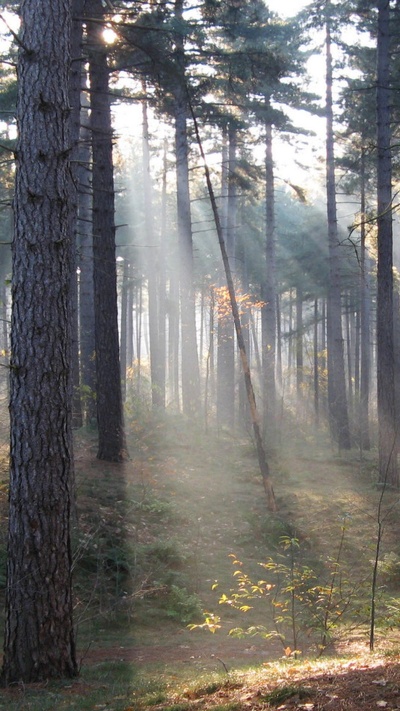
{"x": 188, "y": 236}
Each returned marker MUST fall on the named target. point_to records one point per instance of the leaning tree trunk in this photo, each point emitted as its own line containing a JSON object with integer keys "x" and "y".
{"x": 388, "y": 445}
{"x": 108, "y": 389}
{"x": 39, "y": 635}
{"x": 255, "y": 418}
{"x": 337, "y": 398}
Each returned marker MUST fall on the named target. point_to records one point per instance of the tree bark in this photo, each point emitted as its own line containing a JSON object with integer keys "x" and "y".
{"x": 86, "y": 287}
{"x": 75, "y": 80}
{"x": 255, "y": 419}
{"x": 337, "y": 398}
{"x": 365, "y": 348}
{"x": 108, "y": 378}
{"x": 39, "y": 636}
{"x": 226, "y": 333}
{"x": 388, "y": 445}
{"x": 269, "y": 295}
{"x": 190, "y": 362}
{"x": 153, "y": 263}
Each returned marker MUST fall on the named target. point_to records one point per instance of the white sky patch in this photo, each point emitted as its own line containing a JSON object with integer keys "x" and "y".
{"x": 287, "y": 8}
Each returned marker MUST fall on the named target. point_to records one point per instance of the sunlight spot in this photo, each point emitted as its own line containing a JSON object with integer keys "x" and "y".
{"x": 109, "y": 35}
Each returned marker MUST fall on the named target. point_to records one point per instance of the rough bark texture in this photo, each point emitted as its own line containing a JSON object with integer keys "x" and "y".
{"x": 39, "y": 639}
{"x": 190, "y": 362}
{"x": 337, "y": 398}
{"x": 74, "y": 97}
{"x": 108, "y": 390}
{"x": 384, "y": 319}
{"x": 86, "y": 289}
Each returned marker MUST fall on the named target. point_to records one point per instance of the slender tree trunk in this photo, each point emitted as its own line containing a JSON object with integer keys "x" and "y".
{"x": 39, "y": 635}
{"x": 75, "y": 79}
{"x": 152, "y": 260}
{"x": 299, "y": 348}
{"x": 124, "y": 324}
{"x": 189, "y": 363}
{"x": 86, "y": 293}
{"x": 349, "y": 343}
{"x": 337, "y": 399}
{"x": 388, "y": 444}
{"x": 269, "y": 295}
{"x": 316, "y": 365}
{"x": 255, "y": 419}
{"x": 109, "y": 396}
{"x": 162, "y": 284}
{"x": 226, "y": 333}
{"x": 279, "y": 372}
{"x": 365, "y": 345}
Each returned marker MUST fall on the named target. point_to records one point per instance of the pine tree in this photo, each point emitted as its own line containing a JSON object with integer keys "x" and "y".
{"x": 39, "y": 635}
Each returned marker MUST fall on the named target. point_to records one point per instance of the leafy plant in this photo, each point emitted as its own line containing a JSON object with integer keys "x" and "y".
{"x": 298, "y": 602}
{"x": 182, "y": 604}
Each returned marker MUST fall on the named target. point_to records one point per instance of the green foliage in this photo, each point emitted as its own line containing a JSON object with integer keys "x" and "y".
{"x": 283, "y": 693}
{"x": 153, "y": 507}
{"x": 389, "y": 569}
{"x": 183, "y": 605}
{"x": 297, "y": 600}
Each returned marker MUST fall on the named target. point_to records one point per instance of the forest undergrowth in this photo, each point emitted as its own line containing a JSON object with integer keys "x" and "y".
{"x": 181, "y": 527}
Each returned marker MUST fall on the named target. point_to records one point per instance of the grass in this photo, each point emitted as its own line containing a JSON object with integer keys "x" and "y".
{"x": 156, "y": 533}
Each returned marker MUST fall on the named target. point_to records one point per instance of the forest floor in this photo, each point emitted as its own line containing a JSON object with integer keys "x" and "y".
{"x": 155, "y": 544}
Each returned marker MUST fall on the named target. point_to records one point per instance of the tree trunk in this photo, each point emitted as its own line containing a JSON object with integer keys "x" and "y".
{"x": 299, "y": 349}
{"x": 124, "y": 324}
{"x": 108, "y": 389}
{"x": 269, "y": 295}
{"x": 365, "y": 317}
{"x": 337, "y": 399}
{"x": 255, "y": 419}
{"x": 86, "y": 289}
{"x": 316, "y": 365}
{"x": 226, "y": 332}
{"x": 153, "y": 262}
{"x": 75, "y": 79}
{"x": 388, "y": 445}
{"x": 39, "y": 636}
{"x": 190, "y": 363}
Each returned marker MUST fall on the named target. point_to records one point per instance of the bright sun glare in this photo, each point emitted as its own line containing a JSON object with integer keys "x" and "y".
{"x": 287, "y": 8}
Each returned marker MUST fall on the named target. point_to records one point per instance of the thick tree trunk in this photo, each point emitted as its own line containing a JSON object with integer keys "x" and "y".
{"x": 108, "y": 389}
{"x": 39, "y": 636}
{"x": 388, "y": 444}
{"x": 337, "y": 398}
